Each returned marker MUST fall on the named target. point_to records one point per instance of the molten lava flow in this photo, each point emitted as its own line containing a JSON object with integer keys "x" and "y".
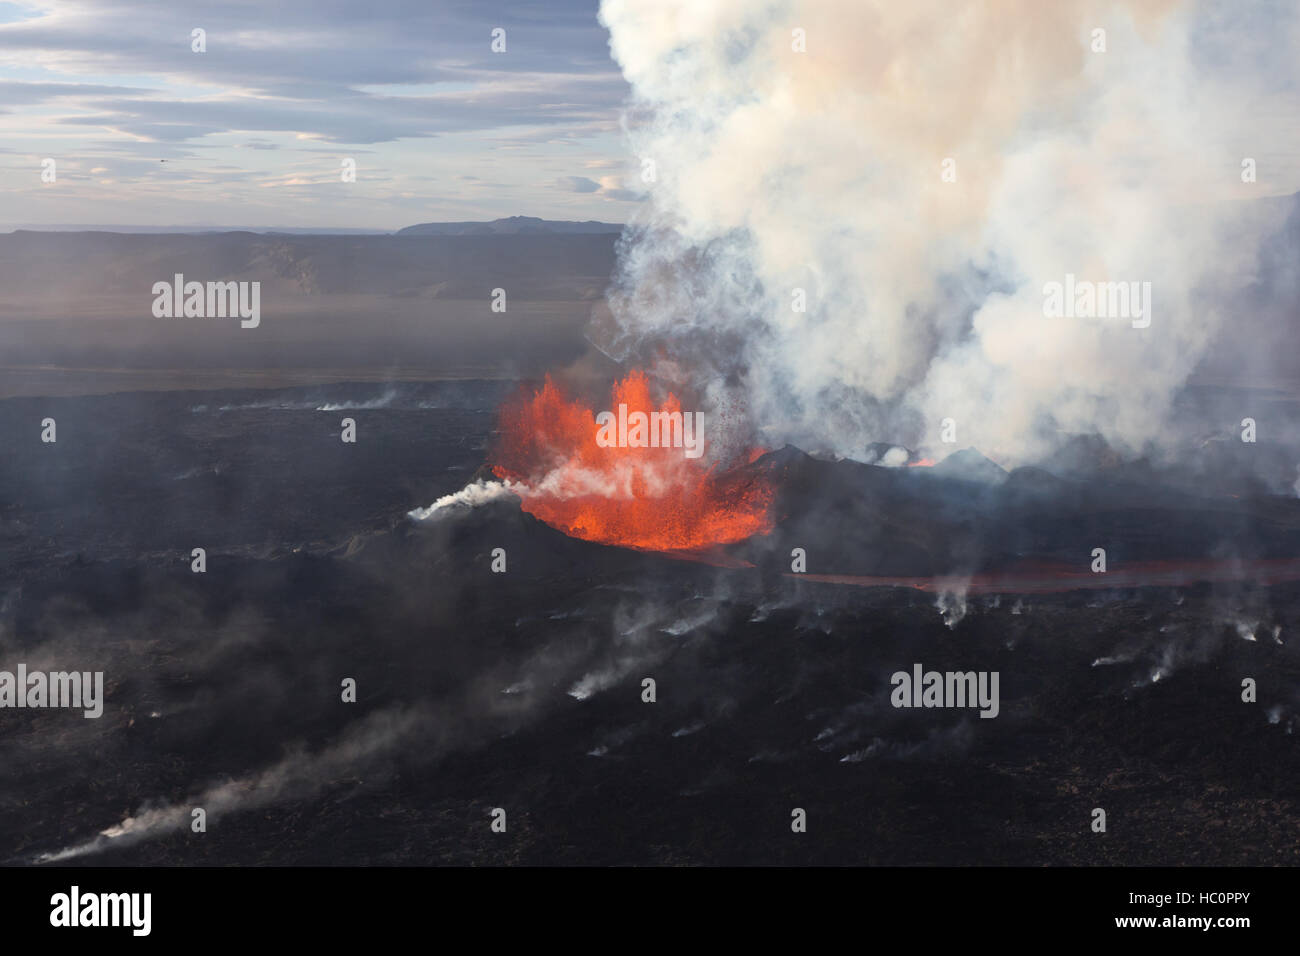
{"x": 655, "y": 499}
{"x": 1045, "y": 578}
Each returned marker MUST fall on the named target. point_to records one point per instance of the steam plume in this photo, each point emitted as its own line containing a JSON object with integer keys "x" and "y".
{"x": 776, "y": 170}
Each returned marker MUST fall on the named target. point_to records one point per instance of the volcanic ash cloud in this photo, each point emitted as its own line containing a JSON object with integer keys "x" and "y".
{"x": 919, "y": 172}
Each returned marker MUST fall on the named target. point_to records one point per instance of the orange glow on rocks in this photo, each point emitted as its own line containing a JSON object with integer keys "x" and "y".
{"x": 650, "y": 498}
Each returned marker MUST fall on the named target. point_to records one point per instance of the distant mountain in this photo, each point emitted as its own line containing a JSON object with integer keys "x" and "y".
{"x": 84, "y": 300}
{"x": 969, "y": 465}
{"x": 512, "y": 226}
{"x": 64, "y": 273}
{"x": 202, "y": 230}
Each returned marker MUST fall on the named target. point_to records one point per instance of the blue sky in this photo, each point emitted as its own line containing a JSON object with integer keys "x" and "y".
{"x": 255, "y": 129}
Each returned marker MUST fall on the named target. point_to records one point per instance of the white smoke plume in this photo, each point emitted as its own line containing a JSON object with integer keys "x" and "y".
{"x": 565, "y": 480}
{"x": 951, "y": 601}
{"x": 791, "y": 145}
{"x": 471, "y": 496}
{"x": 301, "y": 775}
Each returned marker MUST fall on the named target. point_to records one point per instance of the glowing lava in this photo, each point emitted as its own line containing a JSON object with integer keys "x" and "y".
{"x": 654, "y": 499}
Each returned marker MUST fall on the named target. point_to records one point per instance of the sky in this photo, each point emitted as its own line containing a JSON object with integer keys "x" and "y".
{"x": 255, "y": 130}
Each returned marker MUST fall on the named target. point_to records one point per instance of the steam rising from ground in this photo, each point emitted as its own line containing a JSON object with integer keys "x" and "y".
{"x": 301, "y": 775}
{"x": 368, "y": 752}
{"x": 471, "y": 496}
{"x": 776, "y": 170}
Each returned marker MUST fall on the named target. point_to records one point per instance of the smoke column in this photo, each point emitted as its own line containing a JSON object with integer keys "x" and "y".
{"x": 800, "y": 145}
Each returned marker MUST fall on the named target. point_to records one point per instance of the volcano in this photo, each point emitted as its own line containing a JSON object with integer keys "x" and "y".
{"x": 650, "y": 494}
{"x": 524, "y": 689}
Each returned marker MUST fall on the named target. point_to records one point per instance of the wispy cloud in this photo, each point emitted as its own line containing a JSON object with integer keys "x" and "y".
{"x": 92, "y": 83}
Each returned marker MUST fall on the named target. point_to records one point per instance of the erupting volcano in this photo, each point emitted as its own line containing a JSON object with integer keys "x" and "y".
{"x": 634, "y": 495}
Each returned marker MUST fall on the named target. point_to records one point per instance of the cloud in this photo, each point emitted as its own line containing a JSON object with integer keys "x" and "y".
{"x": 609, "y": 187}
{"x": 578, "y": 184}
{"x": 101, "y": 84}
{"x": 321, "y": 69}
{"x": 16, "y": 93}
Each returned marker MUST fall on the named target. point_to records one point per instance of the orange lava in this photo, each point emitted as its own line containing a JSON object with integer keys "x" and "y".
{"x": 923, "y": 463}
{"x": 653, "y": 499}
{"x": 1045, "y": 578}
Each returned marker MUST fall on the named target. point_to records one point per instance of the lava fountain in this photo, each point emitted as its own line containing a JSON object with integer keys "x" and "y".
{"x": 631, "y": 495}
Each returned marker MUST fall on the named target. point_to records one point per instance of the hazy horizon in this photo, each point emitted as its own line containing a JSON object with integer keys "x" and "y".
{"x": 330, "y": 230}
